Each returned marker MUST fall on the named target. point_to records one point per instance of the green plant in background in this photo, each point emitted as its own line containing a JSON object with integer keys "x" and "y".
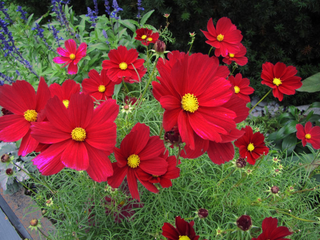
{"x": 219, "y": 197}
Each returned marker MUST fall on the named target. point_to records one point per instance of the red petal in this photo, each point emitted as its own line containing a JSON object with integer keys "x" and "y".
{"x": 153, "y": 148}
{"x": 72, "y": 68}
{"x": 75, "y": 156}
{"x": 118, "y": 175}
{"x": 71, "y": 46}
{"x": 132, "y": 183}
{"x": 100, "y": 167}
{"x": 43, "y": 95}
{"x": 28, "y": 144}
{"x": 169, "y": 231}
{"x": 45, "y": 132}
{"x": 16, "y": 127}
{"x": 80, "y": 110}
{"x": 220, "y": 152}
{"x": 156, "y": 166}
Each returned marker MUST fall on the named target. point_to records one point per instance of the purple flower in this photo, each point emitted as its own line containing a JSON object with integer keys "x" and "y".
{"x": 23, "y": 13}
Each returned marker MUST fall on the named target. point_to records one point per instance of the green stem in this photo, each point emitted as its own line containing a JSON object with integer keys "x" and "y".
{"x": 33, "y": 178}
{"x": 147, "y": 86}
{"x": 161, "y": 130}
{"x": 125, "y": 85}
{"x": 43, "y": 234}
{"x": 222, "y": 180}
{"x": 306, "y": 190}
{"x": 260, "y": 100}
{"x": 301, "y": 219}
{"x": 210, "y": 51}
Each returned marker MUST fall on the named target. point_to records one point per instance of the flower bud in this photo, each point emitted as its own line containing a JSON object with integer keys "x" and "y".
{"x": 9, "y": 171}
{"x": 130, "y": 100}
{"x": 159, "y": 46}
{"x": 203, "y": 213}
{"x": 241, "y": 162}
{"x": 275, "y": 189}
{"x": 244, "y": 222}
{"x": 173, "y": 136}
{"x": 5, "y": 158}
{"x": 34, "y": 222}
{"x": 166, "y": 15}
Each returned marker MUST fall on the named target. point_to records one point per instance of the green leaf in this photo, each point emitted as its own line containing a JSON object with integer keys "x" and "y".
{"x": 289, "y": 143}
{"x": 311, "y": 84}
{"x": 317, "y": 177}
{"x": 129, "y": 25}
{"x": 146, "y": 17}
{"x": 290, "y": 127}
{"x": 283, "y": 118}
{"x": 315, "y": 105}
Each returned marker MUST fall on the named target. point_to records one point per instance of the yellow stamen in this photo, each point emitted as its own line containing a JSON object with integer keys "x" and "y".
{"x": 155, "y": 176}
{"x": 231, "y": 55}
{"x": 220, "y": 37}
{"x": 78, "y": 134}
{"x": 123, "y": 66}
{"x": 184, "y": 238}
{"x": 250, "y": 147}
{"x": 149, "y": 39}
{"x": 72, "y": 56}
{"x": 30, "y": 115}
{"x": 277, "y": 81}
{"x": 236, "y": 89}
{"x": 102, "y": 88}
{"x": 308, "y": 136}
{"x": 65, "y": 103}
{"x": 190, "y": 103}
{"x": 143, "y": 37}
{"x": 133, "y": 161}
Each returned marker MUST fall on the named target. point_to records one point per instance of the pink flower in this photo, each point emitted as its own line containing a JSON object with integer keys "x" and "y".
{"x": 71, "y": 55}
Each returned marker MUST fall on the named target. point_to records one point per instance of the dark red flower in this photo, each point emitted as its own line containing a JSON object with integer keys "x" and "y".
{"x": 164, "y": 180}
{"x": 241, "y": 86}
{"x": 244, "y": 222}
{"x": 64, "y": 91}
{"x": 203, "y": 213}
{"x": 271, "y": 231}
{"x": 309, "y": 134}
{"x": 81, "y": 137}
{"x": 124, "y": 209}
{"x": 198, "y": 99}
{"x": 225, "y": 37}
{"x": 71, "y": 55}
{"x": 182, "y": 231}
{"x": 173, "y": 136}
{"x": 146, "y": 36}
{"x": 251, "y": 146}
{"x": 280, "y": 78}
{"x": 237, "y": 57}
{"x": 26, "y": 106}
{"x": 138, "y": 151}
{"x": 130, "y": 100}
{"x": 124, "y": 65}
{"x": 98, "y": 86}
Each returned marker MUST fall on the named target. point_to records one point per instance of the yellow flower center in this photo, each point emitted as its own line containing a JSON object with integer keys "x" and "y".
{"x": 190, "y": 103}
{"x": 72, "y": 56}
{"x": 236, "y": 89}
{"x": 123, "y": 66}
{"x": 133, "y": 161}
{"x": 277, "y": 81}
{"x": 149, "y": 39}
{"x": 65, "y": 103}
{"x": 231, "y": 55}
{"x": 184, "y": 238}
{"x": 308, "y": 136}
{"x": 143, "y": 37}
{"x": 30, "y": 115}
{"x": 220, "y": 37}
{"x": 78, "y": 134}
{"x": 102, "y": 88}
{"x": 156, "y": 176}
{"x": 250, "y": 147}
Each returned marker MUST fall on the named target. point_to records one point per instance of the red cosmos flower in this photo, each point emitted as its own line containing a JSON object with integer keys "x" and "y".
{"x": 237, "y": 57}
{"x": 183, "y": 230}
{"x": 241, "y": 86}
{"x": 98, "y": 86}
{"x": 64, "y": 91}
{"x": 225, "y": 37}
{"x": 270, "y": 231}
{"x": 138, "y": 152}
{"x": 309, "y": 134}
{"x": 146, "y": 36}
{"x": 251, "y": 146}
{"x": 172, "y": 172}
{"x": 130, "y": 100}
{"x": 26, "y": 106}
{"x": 197, "y": 98}
{"x": 124, "y": 65}
{"x": 71, "y": 55}
{"x": 280, "y": 78}
{"x": 81, "y": 137}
